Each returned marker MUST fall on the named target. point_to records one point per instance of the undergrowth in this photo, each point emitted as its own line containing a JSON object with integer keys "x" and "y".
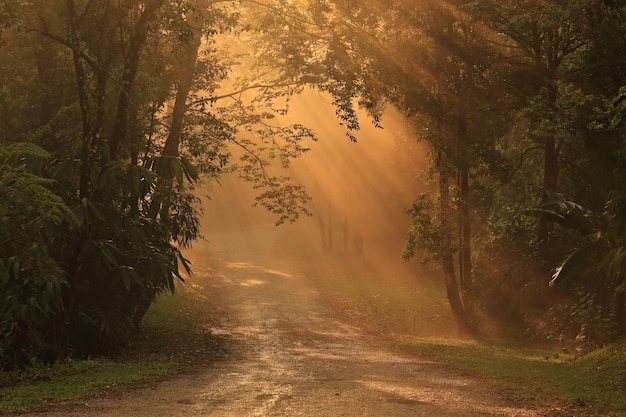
{"x": 171, "y": 341}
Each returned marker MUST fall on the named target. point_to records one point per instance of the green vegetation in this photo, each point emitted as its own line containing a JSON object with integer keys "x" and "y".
{"x": 110, "y": 115}
{"x": 20, "y": 391}
{"x": 168, "y": 344}
{"x": 592, "y": 385}
{"x": 522, "y": 106}
{"x": 548, "y": 376}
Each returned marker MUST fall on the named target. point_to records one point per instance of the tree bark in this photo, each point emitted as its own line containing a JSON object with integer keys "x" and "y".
{"x": 447, "y": 261}
{"x": 465, "y": 261}
{"x": 137, "y": 41}
{"x": 84, "y": 187}
{"x": 550, "y": 168}
{"x": 186, "y": 71}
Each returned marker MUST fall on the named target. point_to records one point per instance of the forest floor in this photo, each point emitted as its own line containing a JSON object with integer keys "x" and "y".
{"x": 282, "y": 350}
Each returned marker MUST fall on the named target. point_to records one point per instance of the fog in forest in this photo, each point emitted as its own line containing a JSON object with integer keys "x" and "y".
{"x": 360, "y": 192}
{"x": 153, "y": 153}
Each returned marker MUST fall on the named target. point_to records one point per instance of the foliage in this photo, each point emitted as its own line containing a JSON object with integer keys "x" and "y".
{"x": 424, "y": 232}
{"x": 502, "y": 91}
{"x": 120, "y": 110}
{"x": 129, "y": 261}
{"x": 619, "y": 103}
{"x": 174, "y": 339}
{"x": 505, "y": 93}
{"x": 31, "y": 280}
{"x": 69, "y": 380}
{"x": 133, "y": 103}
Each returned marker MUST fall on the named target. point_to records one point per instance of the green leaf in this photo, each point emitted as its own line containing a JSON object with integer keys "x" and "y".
{"x": 572, "y": 267}
{"x": 619, "y": 103}
{"x": 191, "y": 172}
{"x": 24, "y": 154}
{"x": 16, "y": 267}
{"x": 106, "y": 177}
{"x": 176, "y": 169}
{"x": 133, "y": 179}
{"x": 185, "y": 263}
{"x": 567, "y": 213}
{"x": 614, "y": 262}
{"x": 128, "y": 275}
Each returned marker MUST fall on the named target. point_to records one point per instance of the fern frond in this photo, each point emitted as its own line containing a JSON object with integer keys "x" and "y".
{"x": 24, "y": 154}
{"x": 29, "y": 200}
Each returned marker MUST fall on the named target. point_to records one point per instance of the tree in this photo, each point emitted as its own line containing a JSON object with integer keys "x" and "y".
{"x": 357, "y": 48}
{"x": 545, "y": 40}
{"x": 127, "y": 104}
{"x": 566, "y": 44}
{"x": 31, "y": 281}
{"x": 93, "y": 84}
{"x": 496, "y": 89}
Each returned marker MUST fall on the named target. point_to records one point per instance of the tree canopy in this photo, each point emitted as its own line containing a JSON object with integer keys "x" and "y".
{"x": 113, "y": 110}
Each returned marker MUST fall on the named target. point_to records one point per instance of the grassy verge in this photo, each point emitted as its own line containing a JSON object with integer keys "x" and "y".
{"x": 36, "y": 387}
{"x": 169, "y": 343}
{"x": 417, "y": 319}
{"x": 592, "y": 385}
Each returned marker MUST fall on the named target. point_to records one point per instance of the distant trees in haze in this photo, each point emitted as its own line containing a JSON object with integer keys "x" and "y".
{"x": 113, "y": 110}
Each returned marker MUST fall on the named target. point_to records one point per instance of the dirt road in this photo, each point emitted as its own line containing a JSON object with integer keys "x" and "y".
{"x": 295, "y": 358}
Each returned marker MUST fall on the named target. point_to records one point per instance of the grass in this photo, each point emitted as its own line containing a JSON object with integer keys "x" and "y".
{"x": 73, "y": 379}
{"x": 593, "y": 385}
{"x": 383, "y": 299}
{"x": 168, "y": 344}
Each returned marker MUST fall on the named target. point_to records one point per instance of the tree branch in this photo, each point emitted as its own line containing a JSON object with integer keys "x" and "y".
{"x": 521, "y": 161}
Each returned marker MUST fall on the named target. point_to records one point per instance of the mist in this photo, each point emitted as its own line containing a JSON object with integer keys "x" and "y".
{"x": 352, "y": 244}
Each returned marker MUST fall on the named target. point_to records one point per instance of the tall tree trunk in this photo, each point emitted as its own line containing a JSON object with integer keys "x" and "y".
{"x": 330, "y": 231}
{"x": 137, "y": 41}
{"x": 447, "y": 261}
{"x": 86, "y": 153}
{"x": 465, "y": 261}
{"x": 550, "y": 166}
{"x": 187, "y": 69}
{"x": 186, "y": 72}
{"x": 323, "y": 239}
